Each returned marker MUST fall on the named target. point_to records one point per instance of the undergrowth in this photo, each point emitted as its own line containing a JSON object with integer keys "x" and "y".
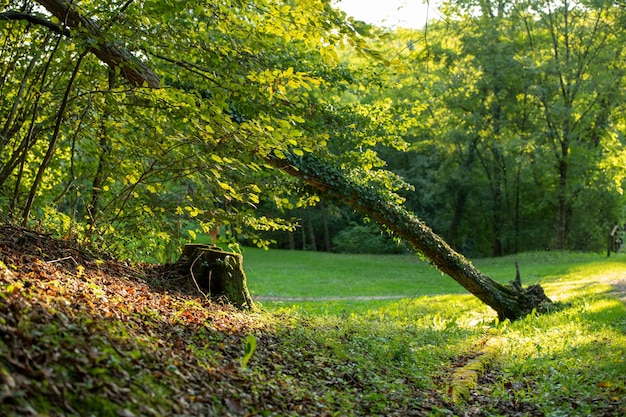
{"x": 86, "y": 336}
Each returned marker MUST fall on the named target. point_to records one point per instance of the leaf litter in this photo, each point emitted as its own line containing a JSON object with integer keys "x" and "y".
{"x": 84, "y": 334}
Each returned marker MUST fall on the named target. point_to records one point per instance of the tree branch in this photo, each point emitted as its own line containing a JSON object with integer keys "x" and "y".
{"x": 36, "y": 20}
{"x": 135, "y": 71}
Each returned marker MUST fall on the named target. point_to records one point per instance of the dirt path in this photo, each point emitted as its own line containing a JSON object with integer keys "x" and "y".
{"x": 355, "y": 298}
{"x": 619, "y": 288}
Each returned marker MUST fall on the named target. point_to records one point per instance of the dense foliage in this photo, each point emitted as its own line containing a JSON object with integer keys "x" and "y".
{"x": 521, "y": 144}
{"x": 503, "y": 118}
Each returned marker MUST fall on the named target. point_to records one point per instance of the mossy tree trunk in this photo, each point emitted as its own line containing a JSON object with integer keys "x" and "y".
{"x": 511, "y": 301}
{"x": 217, "y": 273}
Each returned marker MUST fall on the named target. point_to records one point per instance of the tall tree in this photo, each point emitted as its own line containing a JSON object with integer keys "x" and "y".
{"x": 578, "y": 75}
{"x": 530, "y": 93}
{"x": 225, "y": 103}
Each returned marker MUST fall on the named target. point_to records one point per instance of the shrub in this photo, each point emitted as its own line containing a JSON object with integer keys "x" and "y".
{"x": 359, "y": 238}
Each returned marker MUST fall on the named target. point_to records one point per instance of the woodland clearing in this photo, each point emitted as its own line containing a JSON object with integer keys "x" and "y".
{"x": 87, "y": 335}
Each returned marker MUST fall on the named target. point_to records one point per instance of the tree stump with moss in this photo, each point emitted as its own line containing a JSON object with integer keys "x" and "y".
{"x": 217, "y": 273}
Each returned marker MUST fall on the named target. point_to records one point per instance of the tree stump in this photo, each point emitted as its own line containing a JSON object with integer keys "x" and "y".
{"x": 217, "y": 273}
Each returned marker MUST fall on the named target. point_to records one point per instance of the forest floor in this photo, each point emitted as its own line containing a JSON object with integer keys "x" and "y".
{"x": 82, "y": 334}
{"x": 85, "y": 335}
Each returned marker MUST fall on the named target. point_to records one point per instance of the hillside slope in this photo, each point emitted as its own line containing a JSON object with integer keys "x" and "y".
{"x": 81, "y": 335}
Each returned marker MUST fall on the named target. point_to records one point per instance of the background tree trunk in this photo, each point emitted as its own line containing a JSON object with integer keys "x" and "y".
{"x": 309, "y": 232}
{"x": 103, "y": 162}
{"x": 327, "y": 245}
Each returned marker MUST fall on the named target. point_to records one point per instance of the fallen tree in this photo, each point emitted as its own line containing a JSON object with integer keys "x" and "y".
{"x": 510, "y": 301}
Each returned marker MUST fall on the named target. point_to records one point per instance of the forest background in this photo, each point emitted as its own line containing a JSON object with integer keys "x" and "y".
{"x": 500, "y": 124}
{"x": 135, "y": 126}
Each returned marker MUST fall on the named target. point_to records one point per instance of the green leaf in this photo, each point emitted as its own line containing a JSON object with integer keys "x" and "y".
{"x": 248, "y": 350}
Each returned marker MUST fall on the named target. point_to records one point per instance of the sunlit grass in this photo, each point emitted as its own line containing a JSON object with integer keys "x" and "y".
{"x": 282, "y": 273}
{"x": 571, "y": 362}
{"x": 566, "y": 363}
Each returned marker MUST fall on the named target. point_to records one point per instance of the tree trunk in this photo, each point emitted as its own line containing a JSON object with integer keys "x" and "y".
{"x": 310, "y": 231}
{"x": 327, "y": 246}
{"x": 462, "y": 192}
{"x": 216, "y": 273}
{"x": 103, "y": 162}
{"x": 459, "y": 208}
{"x": 496, "y": 241}
{"x": 509, "y": 301}
{"x": 292, "y": 241}
{"x": 561, "y": 221}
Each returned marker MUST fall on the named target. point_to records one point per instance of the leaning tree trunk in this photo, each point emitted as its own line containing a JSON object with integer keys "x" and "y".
{"x": 509, "y": 301}
{"x": 216, "y": 273}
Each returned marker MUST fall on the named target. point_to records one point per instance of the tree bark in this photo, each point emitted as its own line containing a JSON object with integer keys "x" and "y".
{"x": 562, "y": 202}
{"x": 103, "y": 162}
{"x": 462, "y": 192}
{"x": 509, "y": 301}
{"x": 217, "y": 273}
{"x": 135, "y": 71}
{"x": 327, "y": 246}
{"x": 310, "y": 232}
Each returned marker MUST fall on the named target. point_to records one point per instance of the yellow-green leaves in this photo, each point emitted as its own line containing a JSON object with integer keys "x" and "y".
{"x": 281, "y": 82}
{"x": 248, "y": 350}
{"x": 240, "y": 81}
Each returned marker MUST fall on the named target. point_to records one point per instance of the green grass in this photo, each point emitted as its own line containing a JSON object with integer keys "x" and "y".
{"x": 308, "y": 274}
{"x": 282, "y": 273}
{"x": 571, "y": 362}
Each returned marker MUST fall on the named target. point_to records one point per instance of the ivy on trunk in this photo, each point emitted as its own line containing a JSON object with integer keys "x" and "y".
{"x": 510, "y": 301}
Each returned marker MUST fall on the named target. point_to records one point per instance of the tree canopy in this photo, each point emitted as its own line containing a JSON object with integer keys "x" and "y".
{"x": 519, "y": 145}
{"x": 159, "y": 119}
{"x": 176, "y": 125}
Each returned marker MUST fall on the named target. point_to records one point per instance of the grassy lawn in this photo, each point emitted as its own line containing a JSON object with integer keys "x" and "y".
{"x": 96, "y": 337}
{"x": 571, "y": 362}
{"x": 306, "y": 274}
{"x": 283, "y": 273}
